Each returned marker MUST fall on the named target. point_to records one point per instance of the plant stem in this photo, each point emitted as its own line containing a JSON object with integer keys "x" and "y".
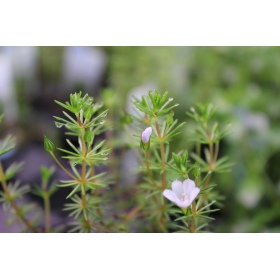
{"x": 216, "y": 152}
{"x": 83, "y": 179}
{"x": 147, "y": 156}
{"x": 109, "y": 140}
{"x": 192, "y": 227}
{"x": 161, "y": 209}
{"x": 95, "y": 194}
{"x": 13, "y": 203}
{"x": 47, "y": 208}
{"x": 161, "y": 221}
{"x": 163, "y": 176}
{"x": 213, "y": 157}
{"x": 212, "y": 160}
{"x": 90, "y": 224}
{"x": 211, "y": 154}
{"x": 47, "y": 212}
{"x": 62, "y": 167}
{"x": 198, "y": 149}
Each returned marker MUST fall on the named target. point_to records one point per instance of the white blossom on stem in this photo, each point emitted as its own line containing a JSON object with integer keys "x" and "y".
{"x": 182, "y": 194}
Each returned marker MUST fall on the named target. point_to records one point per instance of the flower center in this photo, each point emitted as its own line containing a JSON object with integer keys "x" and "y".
{"x": 184, "y": 197}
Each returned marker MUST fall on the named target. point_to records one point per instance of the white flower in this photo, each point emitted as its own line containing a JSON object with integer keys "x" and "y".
{"x": 146, "y": 135}
{"x": 182, "y": 194}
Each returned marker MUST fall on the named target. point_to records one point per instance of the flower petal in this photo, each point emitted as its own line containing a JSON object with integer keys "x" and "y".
{"x": 177, "y": 187}
{"x": 186, "y": 203}
{"x": 193, "y": 194}
{"x": 146, "y": 135}
{"x": 188, "y": 186}
{"x": 171, "y": 196}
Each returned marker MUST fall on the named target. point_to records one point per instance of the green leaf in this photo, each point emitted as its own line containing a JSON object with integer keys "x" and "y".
{"x": 70, "y": 118}
{"x": 13, "y": 169}
{"x": 68, "y": 107}
{"x": 180, "y": 218}
{"x": 201, "y": 226}
{"x": 209, "y": 187}
{"x": 198, "y": 159}
{"x": 46, "y": 173}
{"x": 205, "y": 178}
{"x": 73, "y": 147}
{"x": 73, "y": 191}
{"x": 207, "y": 206}
{"x": 206, "y": 217}
{"x": 7, "y": 145}
{"x": 175, "y": 211}
{"x": 208, "y": 211}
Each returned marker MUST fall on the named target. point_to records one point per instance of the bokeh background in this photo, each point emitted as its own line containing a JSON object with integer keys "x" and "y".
{"x": 242, "y": 82}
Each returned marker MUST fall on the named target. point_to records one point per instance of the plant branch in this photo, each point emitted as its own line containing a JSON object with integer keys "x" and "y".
{"x": 192, "y": 227}
{"x": 163, "y": 176}
{"x": 47, "y": 207}
{"x": 13, "y": 203}
{"x": 83, "y": 177}
{"x": 62, "y": 167}
{"x": 147, "y": 155}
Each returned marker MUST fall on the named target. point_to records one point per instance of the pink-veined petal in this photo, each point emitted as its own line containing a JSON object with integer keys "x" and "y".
{"x": 177, "y": 187}
{"x": 188, "y": 186}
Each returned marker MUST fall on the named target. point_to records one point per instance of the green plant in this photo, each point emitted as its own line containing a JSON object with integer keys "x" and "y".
{"x": 89, "y": 204}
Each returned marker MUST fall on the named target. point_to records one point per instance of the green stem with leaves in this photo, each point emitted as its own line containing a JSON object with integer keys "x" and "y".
{"x": 148, "y": 165}
{"x": 47, "y": 208}
{"x": 13, "y": 203}
{"x": 193, "y": 208}
{"x": 163, "y": 178}
{"x": 162, "y": 154}
{"x": 62, "y": 167}
{"x": 83, "y": 176}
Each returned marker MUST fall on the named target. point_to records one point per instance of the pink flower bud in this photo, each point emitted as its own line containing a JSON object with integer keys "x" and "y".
{"x": 146, "y": 135}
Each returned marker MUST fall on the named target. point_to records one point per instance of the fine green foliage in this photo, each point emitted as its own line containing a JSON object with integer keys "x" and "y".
{"x": 7, "y": 145}
{"x": 160, "y": 166}
{"x": 84, "y": 121}
{"x": 86, "y": 154}
{"x": 26, "y": 215}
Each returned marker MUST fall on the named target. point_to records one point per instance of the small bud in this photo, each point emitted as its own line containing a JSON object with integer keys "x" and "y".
{"x": 145, "y": 139}
{"x": 146, "y": 135}
{"x": 48, "y": 145}
{"x": 183, "y": 169}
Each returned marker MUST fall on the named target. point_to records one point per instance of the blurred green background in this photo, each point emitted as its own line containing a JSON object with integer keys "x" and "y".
{"x": 242, "y": 82}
